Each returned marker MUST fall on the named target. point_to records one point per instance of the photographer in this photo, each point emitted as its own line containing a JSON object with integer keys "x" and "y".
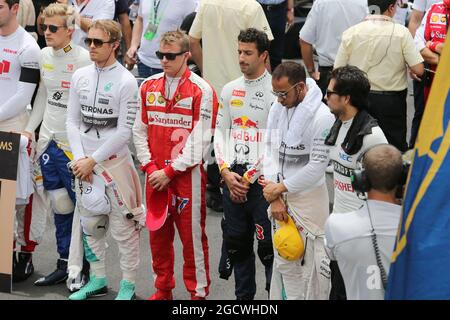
{"x": 362, "y": 241}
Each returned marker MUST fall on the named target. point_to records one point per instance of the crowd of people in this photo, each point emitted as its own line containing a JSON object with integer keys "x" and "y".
{"x": 215, "y": 116}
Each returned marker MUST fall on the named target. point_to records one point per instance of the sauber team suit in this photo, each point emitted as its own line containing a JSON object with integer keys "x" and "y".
{"x": 19, "y": 75}
{"x": 173, "y": 133}
{"x": 296, "y": 155}
{"x": 101, "y": 112}
{"x": 239, "y": 146}
{"x": 52, "y": 150}
{"x": 433, "y": 31}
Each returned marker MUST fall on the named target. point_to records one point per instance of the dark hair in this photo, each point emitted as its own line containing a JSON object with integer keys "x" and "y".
{"x": 353, "y": 82}
{"x": 380, "y": 6}
{"x": 384, "y": 167}
{"x": 252, "y": 35}
{"x": 10, "y": 3}
{"x": 293, "y": 70}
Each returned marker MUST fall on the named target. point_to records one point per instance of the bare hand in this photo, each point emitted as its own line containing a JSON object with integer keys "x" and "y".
{"x": 83, "y": 168}
{"x": 234, "y": 184}
{"x": 414, "y": 76}
{"x": 263, "y": 182}
{"x": 159, "y": 180}
{"x": 439, "y": 47}
{"x": 237, "y": 199}
{"x": 129, "y": 63}
{"x": 315, "y": 75}
{"x": 273, "y": 191}
{"x": 290, "y": 17}
{"x": 27, "y": 134}
{"x": 278, "y": 210}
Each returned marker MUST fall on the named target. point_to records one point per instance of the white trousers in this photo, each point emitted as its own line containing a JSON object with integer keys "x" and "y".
{"x": 309, "y": 277}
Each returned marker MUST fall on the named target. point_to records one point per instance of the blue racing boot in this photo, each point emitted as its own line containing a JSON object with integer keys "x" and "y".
{"x": 96, "y": 287}
{"x": 126, "y": 291}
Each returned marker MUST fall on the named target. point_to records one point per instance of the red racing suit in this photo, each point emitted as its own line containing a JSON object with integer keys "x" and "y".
{"x": 174, "y": 135}
{"x": 436, "y": 26}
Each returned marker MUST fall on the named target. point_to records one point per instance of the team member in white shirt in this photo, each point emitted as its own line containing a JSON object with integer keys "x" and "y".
{"x": 326, "y": 37}
{"x": 354, "y": 132}
{"x": 362, "y": 241}
{"x": 19, "y": 76}
{"x": 101, "y": 112}
{"x": 58, "y": 62}
{"x": 87, "y": 12}
{"x": 294, "y": 166}
{"x": 155, "y": 17}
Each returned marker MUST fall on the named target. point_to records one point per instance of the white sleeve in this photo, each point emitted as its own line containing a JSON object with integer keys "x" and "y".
{"x": 308, "y": 32}
{"x": 419, "y": 38}
{"x": 419, "y": 5}
{"x": 37, "y": 114}
{"x": 28, "y": 80}
{"x": 259, "y": 21}
{"x": 127, "y": 115}
{"x": 370, "y": 140}
{"x": 107, "y": 10}
{"x": 73, "y": 121}
{"x": 272, "y": 142}
{"x": 319, "y": 154}
{"x": 199, "y": 139}
{"x": 223, "y": 126}
{"x": 328, "y": 240}
{"x": 140, "y": 135}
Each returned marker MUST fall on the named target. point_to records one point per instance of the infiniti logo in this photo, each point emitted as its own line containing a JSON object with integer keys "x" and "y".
{"x": 259, "y": 94}
{"x": 241, "y": 149}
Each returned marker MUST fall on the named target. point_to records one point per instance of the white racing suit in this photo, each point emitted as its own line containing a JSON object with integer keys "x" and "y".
{"x": 297, "y": 157}
{"x": 309, "y": 277}
{"x": 124, "y": 193}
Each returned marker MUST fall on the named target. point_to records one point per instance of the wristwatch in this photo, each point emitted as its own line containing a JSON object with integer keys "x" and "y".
{"x": 291, "y": 10}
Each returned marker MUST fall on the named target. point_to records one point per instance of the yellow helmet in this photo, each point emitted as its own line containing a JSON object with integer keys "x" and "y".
{"x": 288, "y": 241}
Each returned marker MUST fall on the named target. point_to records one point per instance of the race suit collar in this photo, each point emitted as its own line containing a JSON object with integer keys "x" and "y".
{"x": 108, "y": 68}
{"x": 186, "y": 75}
{"x": 64, "y": 51}
{"x": 257, "y": 81}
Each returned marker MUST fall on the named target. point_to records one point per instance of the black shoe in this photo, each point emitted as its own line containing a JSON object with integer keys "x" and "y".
{"x": 14, "y": 260}
{"x": 24, "y": 267}
{"x": 58, "y": 276}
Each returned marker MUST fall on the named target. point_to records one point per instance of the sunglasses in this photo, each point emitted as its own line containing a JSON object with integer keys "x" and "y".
{"x": 97, "y": 42}
{"x": 51, "y": 27}
{"x": 329, "y": 93}
{"x": 169, "y": 55}
{"x": 283, "y": 94}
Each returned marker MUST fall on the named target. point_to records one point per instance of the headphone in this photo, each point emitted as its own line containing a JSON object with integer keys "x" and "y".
{"x": 360, "y": 179}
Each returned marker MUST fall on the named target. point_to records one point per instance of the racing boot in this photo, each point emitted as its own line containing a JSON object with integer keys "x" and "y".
{"x": 58, "y": 276}
{"x": 96, "y": 287}
{"x": 161, "y": 295}
{"x": 24, "y": 268}
{"x": 126, "y": 291}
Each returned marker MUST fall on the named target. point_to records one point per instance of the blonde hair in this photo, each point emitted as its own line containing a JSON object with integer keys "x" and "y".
{"x": 61, "y": 10}
{"x": 180, "y": 37}
{"x": 110, "y": 27}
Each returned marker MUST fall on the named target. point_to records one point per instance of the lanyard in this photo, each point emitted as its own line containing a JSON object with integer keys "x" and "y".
{"x": 154, "y": 19}
{"x": 84, "y": 6}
